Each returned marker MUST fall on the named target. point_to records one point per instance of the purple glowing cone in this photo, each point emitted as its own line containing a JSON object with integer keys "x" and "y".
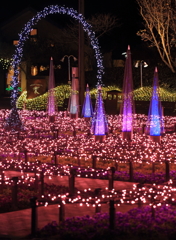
{"x": 99, "y": 121}
{"x": 87, "y": 110}
{"x": 155, "y": 125}
{"x": 52, "y": 104}
{"x": 127, "y": 107}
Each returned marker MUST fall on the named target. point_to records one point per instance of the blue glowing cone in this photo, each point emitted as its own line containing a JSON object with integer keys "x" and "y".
{"x": 155, "y": 124}
{"x": 87, "y": 110}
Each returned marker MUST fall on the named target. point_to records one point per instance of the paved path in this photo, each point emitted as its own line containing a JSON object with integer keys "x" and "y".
{"x": 80, "y": 183}
{"x": 18, "y": 223}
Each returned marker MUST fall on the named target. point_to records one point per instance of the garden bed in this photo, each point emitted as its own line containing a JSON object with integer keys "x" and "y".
{"x": 136, "y": 224}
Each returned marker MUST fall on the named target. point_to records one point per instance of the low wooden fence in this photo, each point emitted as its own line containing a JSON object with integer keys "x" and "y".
{"x": 154, "y": 194}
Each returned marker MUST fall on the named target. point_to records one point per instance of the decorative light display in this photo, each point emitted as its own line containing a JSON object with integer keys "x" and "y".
{"x": 40, "y": 103}
{"x": 11, "y": 88}
{"x": 46, "y": 139}
{"x": 127, "y": 97}
{"x": 51, "y": 104}
{"x": 24, "y": 35}
{"x": 39, "y": 139}
{"x": 5, "y": 62}
{"x": 13, "y": 121}
{"x": 152, "y": 195}
{"x": 87, "y": 110}
{"x": 155, "y": 125}
{"x": 74, "y": 98}
{"x": 99, "y": 121}
{"x": 63, "y": 91}
{"x": 145, "y": 94}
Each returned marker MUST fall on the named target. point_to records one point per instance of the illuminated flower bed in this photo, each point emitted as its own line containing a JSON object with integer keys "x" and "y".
{"x": 72, "y": 142}
{"x": 134, "y": 225}
{"x": 139, "y": 177}
{"x": 25, "y": 193}
{"x": 71, "y": 138}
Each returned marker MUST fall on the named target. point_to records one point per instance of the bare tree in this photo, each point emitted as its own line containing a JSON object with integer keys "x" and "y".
{"x": 160, "y": 27}
{"x": 67, "y": 41}
{"x": 102, "y": 24}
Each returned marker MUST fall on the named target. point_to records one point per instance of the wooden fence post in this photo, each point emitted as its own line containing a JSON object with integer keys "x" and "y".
{"x": 54, "y": 158}
{"x": 143, "y": 128}
{"x": 78, "y": 158}
{"x": 94, "y": 161}
{"x": 34, "y": 220}
{"x": 111, "y": 172}
{"x": 61, "y": 211}
{"x": 116, "y": 165}
{"x": 36, "y": 181}
{"x": 131, "y": 171}
{"x": 167, "y": 176}
{"x": 74, "y": 131}
{"x": 14, "y": 192}
{"x": 42, "y": 182}
{"x": 25, "y": 155}
{"x": 1, "y": 181}
{"x": 111, "y": 215}
{"x": 72, "y": 181}
{"x": 97, "y": 194}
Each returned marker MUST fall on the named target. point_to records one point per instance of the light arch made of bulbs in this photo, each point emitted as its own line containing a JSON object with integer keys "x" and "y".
{"x": 24, "y": 35}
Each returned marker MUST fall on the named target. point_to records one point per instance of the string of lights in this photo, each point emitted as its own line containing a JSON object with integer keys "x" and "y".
{"x": 152, "y": 195}
{"x": 24, "y": 35}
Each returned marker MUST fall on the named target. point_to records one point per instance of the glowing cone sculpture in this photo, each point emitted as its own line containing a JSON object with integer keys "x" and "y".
{"x": 87, "y": 110}
{"x": 99, "y": 126}
{"x": 51, "y": 104}
{"x": 74, "y": 98}
{"x": 155, "y": 124}
{"x": 127, "y": 107}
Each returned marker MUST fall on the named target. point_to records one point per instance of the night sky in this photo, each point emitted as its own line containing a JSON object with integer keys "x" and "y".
{"x": 125, "y": 10}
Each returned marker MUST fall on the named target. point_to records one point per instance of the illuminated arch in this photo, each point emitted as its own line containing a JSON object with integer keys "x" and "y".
{"x": 24, "y": 35}
{"x": 13, "y": 122}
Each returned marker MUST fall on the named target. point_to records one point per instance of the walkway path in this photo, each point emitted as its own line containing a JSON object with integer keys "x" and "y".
{"x": 18, "y": 223}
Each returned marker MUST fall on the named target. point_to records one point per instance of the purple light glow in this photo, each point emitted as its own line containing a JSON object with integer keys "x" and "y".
{"x": 99, "y": 121}
{"x": 127, "y": 108}
{"x": 87, "y": 110}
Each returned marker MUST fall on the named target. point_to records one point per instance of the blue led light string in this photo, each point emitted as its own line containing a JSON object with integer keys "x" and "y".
{"x": 24, "y": 35}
